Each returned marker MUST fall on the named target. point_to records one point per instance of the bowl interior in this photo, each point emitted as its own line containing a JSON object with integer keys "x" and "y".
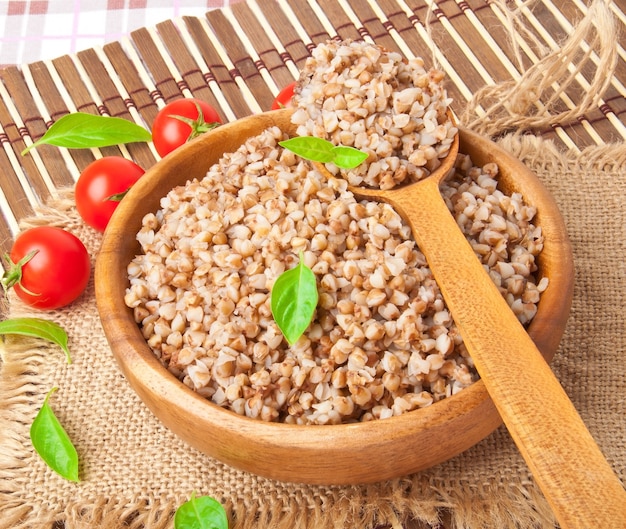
{"x": 337, "y": 454}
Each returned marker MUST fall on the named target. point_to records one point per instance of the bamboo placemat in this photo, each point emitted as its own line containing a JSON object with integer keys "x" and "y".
{"x": 238, "y": 58}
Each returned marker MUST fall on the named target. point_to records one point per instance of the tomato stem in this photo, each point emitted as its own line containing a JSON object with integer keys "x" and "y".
{"x": 13, "y": 274}
{"x": 198, "y": 125}
{"x": 117, "y": 197}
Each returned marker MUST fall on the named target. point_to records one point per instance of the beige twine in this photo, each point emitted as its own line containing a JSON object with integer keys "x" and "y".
{"x": 135, "y": 472}
{"x": 535, "y": 100}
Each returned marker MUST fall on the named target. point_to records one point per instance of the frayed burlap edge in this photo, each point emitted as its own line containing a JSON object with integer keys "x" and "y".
{"x": 537, "y": 152}
{"x": 57, "y": 211}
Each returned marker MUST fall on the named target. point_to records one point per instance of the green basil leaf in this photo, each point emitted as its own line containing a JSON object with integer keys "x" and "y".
{"x": 323, "y": 151}
{"x": 80, "y": 130}
{"x": 201, "y": 513}
{"x": 348, "y": 157}
{"x": 52, "y": 443}
{"x": 37, "y": 328}
{"x": 293, "y": 300}
{"x": 310, "y": 148}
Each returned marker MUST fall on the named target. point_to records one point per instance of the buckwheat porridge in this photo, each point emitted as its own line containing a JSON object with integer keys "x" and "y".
{"x": 382, "y": 341}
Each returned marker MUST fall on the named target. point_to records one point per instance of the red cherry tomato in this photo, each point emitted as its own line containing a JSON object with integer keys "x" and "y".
{"x": 101, "y": 186}
{"x": 179, "y": 121}
{"x": 51, "y": 267}
{"x": 283, "y": 99}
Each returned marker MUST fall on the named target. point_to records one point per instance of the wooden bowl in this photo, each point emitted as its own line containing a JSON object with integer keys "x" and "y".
{"x": 331, "y": 454}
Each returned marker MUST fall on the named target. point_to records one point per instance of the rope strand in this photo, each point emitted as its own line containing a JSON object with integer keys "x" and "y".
{"x": 535, "y": 100}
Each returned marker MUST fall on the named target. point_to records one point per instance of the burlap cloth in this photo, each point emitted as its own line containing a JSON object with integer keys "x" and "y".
{"x": 135, "y": 472}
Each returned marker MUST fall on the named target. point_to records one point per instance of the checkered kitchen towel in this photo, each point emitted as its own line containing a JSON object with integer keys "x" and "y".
{"x": 32, "y": 30}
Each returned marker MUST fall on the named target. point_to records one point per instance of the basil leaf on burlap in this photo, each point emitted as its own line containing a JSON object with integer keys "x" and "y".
{"x": 203, "y": 512}
{"x": 293, "y": 300}
{"x": 52, "y": 443}
{"x": 80, "y": 130}
{"x": 38, "y": 328}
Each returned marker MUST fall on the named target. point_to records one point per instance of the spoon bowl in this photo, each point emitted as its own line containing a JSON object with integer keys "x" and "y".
{"x": 392, "y": 196}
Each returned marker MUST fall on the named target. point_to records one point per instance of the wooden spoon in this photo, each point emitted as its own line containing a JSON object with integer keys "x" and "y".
{"x": 567, "y": 464}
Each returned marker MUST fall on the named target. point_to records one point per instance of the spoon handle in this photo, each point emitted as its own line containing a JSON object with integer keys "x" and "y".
{"x": 566, "y": 462}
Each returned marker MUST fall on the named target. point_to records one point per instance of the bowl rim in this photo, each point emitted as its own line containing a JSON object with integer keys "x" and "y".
{"x": 145, "y": 373}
